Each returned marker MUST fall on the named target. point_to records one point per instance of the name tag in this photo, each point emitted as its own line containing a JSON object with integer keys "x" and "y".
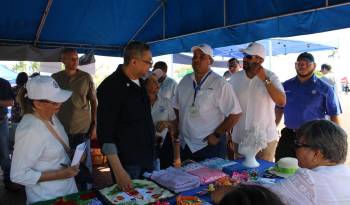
{"x": 194, "y": 111}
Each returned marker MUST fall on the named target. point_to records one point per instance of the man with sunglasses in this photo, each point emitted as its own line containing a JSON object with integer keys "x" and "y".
{"x": 206, "y": 107}
{"x": 308, "y": 98}
{"x": 124, "y": 121}
{"x": 258, "y": 91}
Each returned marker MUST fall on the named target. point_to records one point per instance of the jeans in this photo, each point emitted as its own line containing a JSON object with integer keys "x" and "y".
{"x": 5, "y": 162}
{"x": 84, "y": 177}
{"x": 207, "y": 152}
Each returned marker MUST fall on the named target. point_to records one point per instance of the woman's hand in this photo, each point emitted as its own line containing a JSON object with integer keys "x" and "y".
{"x": 70, "y": 171}
{"x": 161, "y": 125}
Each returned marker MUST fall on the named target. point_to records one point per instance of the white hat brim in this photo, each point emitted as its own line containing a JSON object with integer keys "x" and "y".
{"x": 61, "y": 96}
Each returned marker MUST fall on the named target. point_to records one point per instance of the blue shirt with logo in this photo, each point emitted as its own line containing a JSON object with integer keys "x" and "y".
{"x": 310, "y": 100}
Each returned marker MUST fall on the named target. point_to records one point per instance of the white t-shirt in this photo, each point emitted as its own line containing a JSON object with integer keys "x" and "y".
{"x": 37, "y": 150}
{"x": 167, "y": 88}
{"x": 162, "y": 110}
{"x": 214, "y": 101}
{"x": 257, "y": 105}
{"x": 323, "y": 185}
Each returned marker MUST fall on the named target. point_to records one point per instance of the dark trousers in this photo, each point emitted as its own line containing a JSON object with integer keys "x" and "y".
{"x": 285, "y": 146}
{"x": 207, "y": 152}
{"x": 166, "y": 153}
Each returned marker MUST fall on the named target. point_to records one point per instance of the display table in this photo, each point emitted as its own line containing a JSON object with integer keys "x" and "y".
{"x": 82, "y": 198}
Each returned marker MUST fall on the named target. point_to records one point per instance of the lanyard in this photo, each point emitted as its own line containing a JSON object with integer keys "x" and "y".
{"x": 197, "y": 87}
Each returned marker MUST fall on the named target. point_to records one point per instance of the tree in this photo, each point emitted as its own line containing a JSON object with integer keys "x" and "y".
{"x": 25, "y": 66}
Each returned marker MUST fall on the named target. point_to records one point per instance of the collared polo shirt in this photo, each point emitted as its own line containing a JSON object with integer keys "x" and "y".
{"x": 310, "y": 100}
{"x": 167, "y": 88}
{"x": 215, "y": 100}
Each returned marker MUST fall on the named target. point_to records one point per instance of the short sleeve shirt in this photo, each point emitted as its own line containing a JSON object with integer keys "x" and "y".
{"x": 310, "y": 100}
{"x": 214, "y": 101}
{"x": 75, "y": 113}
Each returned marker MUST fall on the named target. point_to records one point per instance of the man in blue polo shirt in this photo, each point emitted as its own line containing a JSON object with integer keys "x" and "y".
{"x": 308, "y": 98}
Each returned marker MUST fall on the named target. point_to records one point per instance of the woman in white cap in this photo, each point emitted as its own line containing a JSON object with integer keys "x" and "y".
{"x": 40, "y": 160}
{"x": 164, "y": 120}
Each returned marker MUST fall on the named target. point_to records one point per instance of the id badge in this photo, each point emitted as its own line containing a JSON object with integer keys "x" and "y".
{"x": 194, "y": 111}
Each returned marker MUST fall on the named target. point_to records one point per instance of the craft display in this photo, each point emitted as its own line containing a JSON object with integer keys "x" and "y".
{"x": 144, "y": 192}
{"x": 207, "y": 175}
{"x": 217, "y": 163}
{"x": 175, "y": 180}
{"x": 81, "y": 198}
{"x": 188, "y": 200}
{"x": 285, "y": 167}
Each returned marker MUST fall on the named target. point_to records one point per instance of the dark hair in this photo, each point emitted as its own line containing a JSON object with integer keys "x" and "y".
{"x": 251, "y": 195}
{"x": 233, "y": 59}
{"x": 160, "y": 65}
{"x": 327, "y": 137}
{"x": 34, "y": 74}
{"x": 227, "y": 74}
{"x": 68, "y": 50}
{"x": 21, "y": 79}
{"x": 134, "y": 49}
{"x": 326, "y": 67}
{"x": 306, "y": 56}
{"x": 27, "y": 106}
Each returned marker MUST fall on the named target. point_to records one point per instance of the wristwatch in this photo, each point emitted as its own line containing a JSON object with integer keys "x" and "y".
{"x": 267, "y": 81}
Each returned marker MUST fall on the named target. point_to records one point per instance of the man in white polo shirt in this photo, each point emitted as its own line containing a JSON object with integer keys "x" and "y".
{"x": 258, "y": 90}
{"x": 207, "y": 108}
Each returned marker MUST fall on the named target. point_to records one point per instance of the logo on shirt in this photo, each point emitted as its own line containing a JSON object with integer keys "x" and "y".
{"x": 314, "y": 92}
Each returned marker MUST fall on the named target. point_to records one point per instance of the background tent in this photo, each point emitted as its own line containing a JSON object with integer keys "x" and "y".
{"x": 169, "y": 26}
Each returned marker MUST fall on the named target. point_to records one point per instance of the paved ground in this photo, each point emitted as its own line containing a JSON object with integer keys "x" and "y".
{"x": 102, "y": 173}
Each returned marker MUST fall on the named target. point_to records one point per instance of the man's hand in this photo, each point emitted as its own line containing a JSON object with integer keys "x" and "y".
{"x": 123, "y": 180}
{"x": 258, "y": 70}
{"x": 212, "y": 140}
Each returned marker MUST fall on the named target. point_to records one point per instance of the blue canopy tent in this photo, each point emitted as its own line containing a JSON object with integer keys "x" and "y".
{"x": 275, "y": 47}
{"x": 169, "y": 26}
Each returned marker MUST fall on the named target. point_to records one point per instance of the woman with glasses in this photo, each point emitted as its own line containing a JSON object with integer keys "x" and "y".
{"x": 321, "y": 148}
{"x": 41, "y": 155}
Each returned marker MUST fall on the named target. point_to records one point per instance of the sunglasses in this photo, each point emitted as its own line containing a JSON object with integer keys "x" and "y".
{"x": 247, "y": 56}
{"x": 298, "y": 144}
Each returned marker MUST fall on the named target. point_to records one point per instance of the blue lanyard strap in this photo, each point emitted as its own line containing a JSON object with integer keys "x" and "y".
{"x": 198, "y": 86}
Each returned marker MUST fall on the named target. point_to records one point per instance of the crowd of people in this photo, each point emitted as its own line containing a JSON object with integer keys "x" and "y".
{"x": 145, "y": 121}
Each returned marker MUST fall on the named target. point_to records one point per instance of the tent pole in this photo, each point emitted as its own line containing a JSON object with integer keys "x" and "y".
{"x": 270, "y": 54}
{"x": 224, "y": 13}
{"x": 254, "y": 21}
{"x": 145, "y": 23}
{"x": 42, "y": 21}
{"x": 164, "y": 23}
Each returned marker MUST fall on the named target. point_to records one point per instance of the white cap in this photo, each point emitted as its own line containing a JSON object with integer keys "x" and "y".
{"x": 254, "y": 49}
{"x": 157, "y": 72}
{"x": 46, "y": 88}
{"x": 205, "y": 48}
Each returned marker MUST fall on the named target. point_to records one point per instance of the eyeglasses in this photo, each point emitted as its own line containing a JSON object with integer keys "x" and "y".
{"x": 49, "y": 102}
{"x": 150, "y": 63}
{"x": 298, "y": 144}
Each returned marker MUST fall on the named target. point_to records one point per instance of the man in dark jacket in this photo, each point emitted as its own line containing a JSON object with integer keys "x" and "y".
{"x": 124, "y": 122}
